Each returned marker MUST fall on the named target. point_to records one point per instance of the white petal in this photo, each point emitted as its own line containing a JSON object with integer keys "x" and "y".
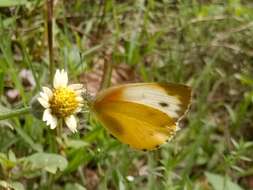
{"x": 44, "y": 96}
{"x": 43, "y": 102}
{"x": 50, "y": 119}
{"x": 71, "y": 123}
{"x": 53, "y": 122}
{"x": 79, "y": 99}
{"x": 79, "y": 109}
{"x": 64, "y": 78}
{"x": 79, "y": 92}
{"x": 60, "y": 79}
{"x": 57, "y": 79}
{"x": 76, "y": 86}
{"x": 46, "y": 115}
{"x": 80, "y": 105}
{"x": 47, "y": 91}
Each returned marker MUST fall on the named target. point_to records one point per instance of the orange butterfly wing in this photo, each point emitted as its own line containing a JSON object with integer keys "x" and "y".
{"x": 143, "y": 115}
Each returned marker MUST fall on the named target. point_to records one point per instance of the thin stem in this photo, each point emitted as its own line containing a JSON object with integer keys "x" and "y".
{"x": 59, "y": 128}
{"x": 15, "y": 113}
{"x": 50, "y": 4}
{"x": 106, "y": 79}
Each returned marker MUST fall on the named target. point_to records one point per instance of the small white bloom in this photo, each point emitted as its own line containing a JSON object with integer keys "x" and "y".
{"x": 62, "y": 102}
{"x": 130, "y": 178}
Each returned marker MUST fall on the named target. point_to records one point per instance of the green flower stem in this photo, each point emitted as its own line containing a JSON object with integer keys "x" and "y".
{"x": 14, "y": 113}
{"x": 59, "y": 128}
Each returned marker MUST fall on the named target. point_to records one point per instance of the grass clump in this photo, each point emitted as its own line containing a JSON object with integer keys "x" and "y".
{"x": 205, "y": 44}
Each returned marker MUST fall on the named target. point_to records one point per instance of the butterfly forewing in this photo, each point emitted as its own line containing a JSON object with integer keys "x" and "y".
{"x": 142, "y": 115}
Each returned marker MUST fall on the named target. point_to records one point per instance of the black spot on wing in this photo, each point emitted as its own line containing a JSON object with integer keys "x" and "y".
{"x": 163, "y": 104}
{"x": 112, "y": 136}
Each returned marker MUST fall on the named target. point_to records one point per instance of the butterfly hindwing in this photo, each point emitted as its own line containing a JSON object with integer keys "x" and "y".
{"x": 142, "y": 115}
{"x": 128, "y": 122}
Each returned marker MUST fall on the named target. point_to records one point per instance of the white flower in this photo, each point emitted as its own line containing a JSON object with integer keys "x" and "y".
{"x": 62, "y": 102}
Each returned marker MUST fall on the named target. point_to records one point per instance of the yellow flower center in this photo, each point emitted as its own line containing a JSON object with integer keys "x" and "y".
{"x": 63, "y": 102}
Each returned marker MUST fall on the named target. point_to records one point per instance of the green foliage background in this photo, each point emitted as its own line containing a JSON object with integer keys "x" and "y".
{"x": 206, "y": 44}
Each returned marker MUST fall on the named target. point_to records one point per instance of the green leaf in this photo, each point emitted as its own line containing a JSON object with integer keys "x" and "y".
{"x": 47, "y": 161}
{"x": 14, "y": 185}
{"x": 75, "y": 186}
{"x": 245, "y": 79}
{"x": 17, "y": 186}
{"x": 9, "y": 3}
{"x": 12, "y": 156}
{"x": 6, "y": 123}
{"x": 5, "y": 162}
{"x": 28, "y": 139}
{"x": 1, "y": 82}
{"x": 3, "y": 109}
{"x": 81, "y": 156}
{"x": 3, "y": 184}
{"x": 76, "y": 143}
{"x": 220, "y": 182}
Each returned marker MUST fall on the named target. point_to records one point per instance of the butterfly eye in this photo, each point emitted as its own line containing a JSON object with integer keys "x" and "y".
{"x": 163, "y": 104}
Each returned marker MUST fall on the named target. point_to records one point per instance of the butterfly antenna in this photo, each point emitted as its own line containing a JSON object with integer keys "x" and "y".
{"x": 84, "y": 71}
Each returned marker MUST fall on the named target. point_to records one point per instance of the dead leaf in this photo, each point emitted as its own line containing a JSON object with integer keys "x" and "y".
{"x": 92, "y": 179}
{"x": 12, "y": 95}
{"x": 121, "y": 74}
{"x": 27, "y": 79}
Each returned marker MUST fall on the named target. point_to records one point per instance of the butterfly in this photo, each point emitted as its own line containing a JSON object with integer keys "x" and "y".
{"x": 142, "y": 115}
